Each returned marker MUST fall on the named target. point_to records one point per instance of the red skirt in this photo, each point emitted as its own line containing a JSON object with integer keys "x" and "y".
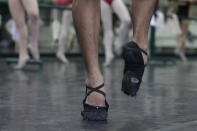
{"x": 63, "y": 2}
{"x": 109, "y": 1}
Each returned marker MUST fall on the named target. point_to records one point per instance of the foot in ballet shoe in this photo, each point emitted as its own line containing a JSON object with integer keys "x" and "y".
{"x": 21, "y": 63}
{"x": 62, "y": 58}
{"x": 95, "y": 111}
{"x": 108, "y": 61}
{"x": 34, "y": 52}
{"x": 134, "y": 68}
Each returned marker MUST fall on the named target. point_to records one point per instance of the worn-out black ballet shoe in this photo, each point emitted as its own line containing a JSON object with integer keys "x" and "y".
{"x": 94, "y": 113}
{"x": 134, "y": 68}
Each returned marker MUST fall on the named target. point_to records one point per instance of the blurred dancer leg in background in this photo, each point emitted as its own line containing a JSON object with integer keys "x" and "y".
{"x": 17, "y": 9}
{"x": 107, "y": 8}
{"x": 66, "y": 22}
{"x": 183, "y": 15}
{"x": 55, "y": 26}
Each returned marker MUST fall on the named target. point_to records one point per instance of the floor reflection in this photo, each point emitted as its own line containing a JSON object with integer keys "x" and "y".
{"x": 51, "y": 98}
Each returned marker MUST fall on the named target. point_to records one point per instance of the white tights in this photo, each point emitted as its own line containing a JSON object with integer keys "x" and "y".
{"x": 106, "y": 16}
{"x": 66, "y": 23}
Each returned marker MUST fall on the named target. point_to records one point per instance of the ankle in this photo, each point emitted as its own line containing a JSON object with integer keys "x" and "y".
{"x": 143, "y": 44}
{"x": 23, "y": 56}
{"x": 60, "y": 53}
{"x": 94, "y": 80}
{"x": 95, "y": 98}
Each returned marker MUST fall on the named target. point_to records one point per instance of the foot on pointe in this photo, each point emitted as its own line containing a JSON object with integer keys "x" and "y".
{"x": 108, "y": 61}
{"x": 21, "y": 63}
{"x": 35, "y": 52}
{"x": 62, "y": 58}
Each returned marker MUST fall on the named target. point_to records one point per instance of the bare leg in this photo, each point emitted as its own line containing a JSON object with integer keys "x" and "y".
{"x": 134, "y": 57}
{"x": 31, "y": 7}
{"x": 181, "y": 40}
{"x": 17, "y": 12}
{"x": 66, "y": 23}
{"x": 184, "y": 27}
{"x": 106, "y": 17}
{"x": 125, "y": 19}
{"x": 142, "y": 13}
{"x": 86, "y": 16}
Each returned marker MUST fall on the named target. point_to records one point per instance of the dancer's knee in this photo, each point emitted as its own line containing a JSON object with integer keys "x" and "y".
{"x": 21, "y": 25}
{"x": 33, "y": 15}
{"x": 127, "y": 21}
{"x": 64, "y": 36}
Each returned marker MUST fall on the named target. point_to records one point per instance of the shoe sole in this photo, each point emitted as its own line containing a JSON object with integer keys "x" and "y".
{"x": 94, "y": 116}
{"x": 127, "y": 92}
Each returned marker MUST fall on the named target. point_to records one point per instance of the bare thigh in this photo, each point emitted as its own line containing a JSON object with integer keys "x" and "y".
{"x": 184, "y": 27}
{"x": 17, "y": 12}
{"x": 31, "y": 6}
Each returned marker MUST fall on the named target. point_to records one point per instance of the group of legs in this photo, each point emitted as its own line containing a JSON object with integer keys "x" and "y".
{"x": 17, "y": 9}
{"x": 86, "y": 16}
{"x": 107, "y": 9}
